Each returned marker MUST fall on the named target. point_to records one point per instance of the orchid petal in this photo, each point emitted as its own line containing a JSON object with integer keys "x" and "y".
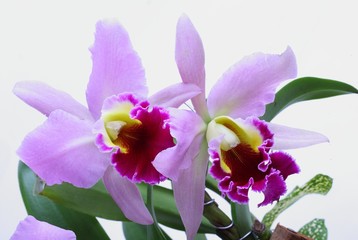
{"x": 189, "y": 193}
{"x": 62, "y": 149}
{"x": 174, "y": 95}
{"x": 116, "y": 66}
{"x": 284, "y": 163}
{"x": 188, "y": 130}
{"x": 190, "y": 58}
{"x": 31, "y": 228}
{"x": 127, "y": 196}
{"x": 47, "y": 99}
{"x": 275, "y": 188}
{"x": 250, "y": 84}
{"x": 289, "y": 138}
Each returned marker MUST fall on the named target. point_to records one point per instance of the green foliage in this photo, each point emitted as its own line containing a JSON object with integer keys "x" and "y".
{"x": 200, "y": 237}
{"x": 316, "y": 229}
{"x": 85, "y": 227}
{"x": 135, "y": 231}
{"x": 303, "y": 89}
{"x": 320, "y": 184}
{"x": 87, "y": 201}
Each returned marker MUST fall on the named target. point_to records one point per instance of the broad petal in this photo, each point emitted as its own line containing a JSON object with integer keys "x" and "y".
{"x": 289, "y": 138}
{"x": 116, "y": 66}
{"x": 127, "y": 197}
{"x": 190, "y": 58}
{"x": 188, "y": 129}
{"x": 47, "y": 99}
{"x": 250, "y": 84}
{"x": 62, "y": 149}
{"x": 31, "y": 228}
{"x": 174, "y": 95}
{"x": 189, "y": 193}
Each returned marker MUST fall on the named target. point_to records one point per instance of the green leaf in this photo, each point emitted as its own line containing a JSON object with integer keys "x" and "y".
{"x": 85, "y": 227}
{"x": 316, "y": 229}
{"x": 200, "y": 237}
{"x": 320, "y": 184}
{"x": 135, "y": 231}
{"x": 86, "y": 201}
{"x": 303, "y": 89}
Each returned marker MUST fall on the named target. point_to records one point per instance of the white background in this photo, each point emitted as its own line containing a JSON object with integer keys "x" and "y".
{"x": 49, "y": 40}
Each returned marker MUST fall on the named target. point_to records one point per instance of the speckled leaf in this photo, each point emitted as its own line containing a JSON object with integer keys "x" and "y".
{"x": 303, "y": 89}
{"x": 316, "y": 229}
{"x": 320, "y": 184}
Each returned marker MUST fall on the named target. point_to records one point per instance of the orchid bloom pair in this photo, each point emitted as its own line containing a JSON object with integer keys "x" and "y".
{"x": 124, "y": 137}
{"x": 116, "y": 138}
{"x": 31, "y": 228}
{"x": 225, "y": 127}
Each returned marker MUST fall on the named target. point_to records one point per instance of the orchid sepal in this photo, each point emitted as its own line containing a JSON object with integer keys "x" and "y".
{"x": 31, "y": 228}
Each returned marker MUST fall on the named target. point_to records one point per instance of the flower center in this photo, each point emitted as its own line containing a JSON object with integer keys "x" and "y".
{"x": 134, "y": 133}
{"x": 235, "y": 138}
{"x": 124, "y": 134}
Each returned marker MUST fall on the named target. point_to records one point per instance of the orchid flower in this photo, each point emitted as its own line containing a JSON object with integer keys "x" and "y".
{"x": 225, "y": 127}
{"x": 31, "y": 228}
{"x": 116, "y": 138}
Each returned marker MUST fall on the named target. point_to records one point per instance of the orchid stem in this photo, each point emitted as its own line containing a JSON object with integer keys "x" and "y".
{"x": 225, "y": 229}
{"x": 243, "y": 219}
{"x": 154, "y": 229}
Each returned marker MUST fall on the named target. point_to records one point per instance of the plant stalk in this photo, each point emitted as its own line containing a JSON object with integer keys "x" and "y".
{"x": 225, "y": 229}
{"x": 242, "y": 218}
{"x": 154, "y": 229}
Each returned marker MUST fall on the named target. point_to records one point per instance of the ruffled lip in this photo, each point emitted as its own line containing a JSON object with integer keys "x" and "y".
{"x": 258, "y": 169}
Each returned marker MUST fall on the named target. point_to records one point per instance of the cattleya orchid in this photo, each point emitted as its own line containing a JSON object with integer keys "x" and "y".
{"x": 31, "y": 228}
{"x": 225, "y": 127}
{"x": 116, "y": 138}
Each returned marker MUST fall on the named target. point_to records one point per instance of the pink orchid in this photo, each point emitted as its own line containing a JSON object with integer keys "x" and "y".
{"x": 226, "y": 129}
{"x": 116, "y": 138}
{"x": 31, "y": 228}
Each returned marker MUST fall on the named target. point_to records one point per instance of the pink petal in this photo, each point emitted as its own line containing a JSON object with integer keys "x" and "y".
{"x": 188, "y": 129}
{"x": 116, "y": 66}
{"x": 250, "y": 84}
{"x": 189, "y": 193}
{"x": 289, "y": 138}
{"x": 127, "y": 197}
{"x": 62, "y": 149}
{"x": 174, "y": 95}
{"x": 31, "y": 228}
{"x": 284, "y": 163}
{"x": 47, "y": 99}
{"x": 275, "y": 188}
{"x": 190, "y": 58}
